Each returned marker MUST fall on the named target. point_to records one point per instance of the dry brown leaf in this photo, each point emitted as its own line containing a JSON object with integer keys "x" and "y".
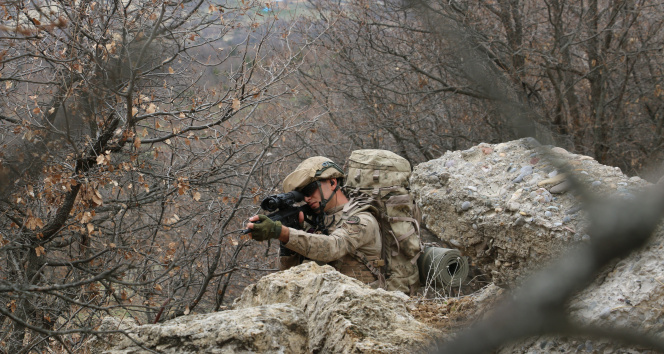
{"x": 86, "y": 217}
{"x": 33, "y": 222}
{"x": 39, "y": 250}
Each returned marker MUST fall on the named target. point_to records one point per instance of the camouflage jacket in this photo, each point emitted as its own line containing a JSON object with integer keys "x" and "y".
{"x": 352, "y": 235}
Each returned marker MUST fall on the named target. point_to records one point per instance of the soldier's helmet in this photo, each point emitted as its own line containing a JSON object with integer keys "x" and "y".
{"x": 312, "y": 169}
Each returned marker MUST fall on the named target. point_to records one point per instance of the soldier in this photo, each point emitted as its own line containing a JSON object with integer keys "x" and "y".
{"x": 348, "y": 239}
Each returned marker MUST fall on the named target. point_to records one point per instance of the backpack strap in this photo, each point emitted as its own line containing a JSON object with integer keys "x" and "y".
{"x": 383, "y": 218}
{"x": 392, "y": 219}
{"x": 405, "y": 219}
{"x": 372, "y": 192}
{"x": 373, "y": 264}
{"x": 396, "y": 242}
{"x": 352, "y": 203}
{"x": 404, "y": 200}
{"x": 399, "y": 200}
{"x": 354, "y": 206}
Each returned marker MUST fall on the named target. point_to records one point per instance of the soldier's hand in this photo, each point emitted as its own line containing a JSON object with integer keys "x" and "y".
{"x": 264, "y": 228}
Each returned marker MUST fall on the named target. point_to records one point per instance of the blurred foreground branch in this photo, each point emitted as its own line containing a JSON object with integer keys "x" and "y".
{"x": 618, "y": 226}
{"x": 538, "y": 307}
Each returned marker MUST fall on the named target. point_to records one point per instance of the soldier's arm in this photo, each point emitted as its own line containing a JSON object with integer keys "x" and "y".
{"x": 326, "y": 248}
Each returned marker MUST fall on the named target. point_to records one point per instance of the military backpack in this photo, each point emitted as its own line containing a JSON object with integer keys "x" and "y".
{"x": 378, "y": 181}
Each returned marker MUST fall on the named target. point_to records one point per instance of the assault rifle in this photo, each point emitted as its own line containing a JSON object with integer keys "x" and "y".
{"x": 283, "y": 207}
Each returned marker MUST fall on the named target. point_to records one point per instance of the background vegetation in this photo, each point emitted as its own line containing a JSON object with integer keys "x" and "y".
{"x": 138, "y": 136}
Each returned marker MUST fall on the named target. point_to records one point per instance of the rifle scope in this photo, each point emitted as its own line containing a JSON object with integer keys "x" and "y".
{"x": 280, "y": 201}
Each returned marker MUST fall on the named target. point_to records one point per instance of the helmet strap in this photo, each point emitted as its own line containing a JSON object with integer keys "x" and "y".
{"x": 323, "y": 203}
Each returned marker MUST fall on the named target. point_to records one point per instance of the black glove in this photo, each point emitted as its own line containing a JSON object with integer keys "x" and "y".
{"x": 265, "y": 229}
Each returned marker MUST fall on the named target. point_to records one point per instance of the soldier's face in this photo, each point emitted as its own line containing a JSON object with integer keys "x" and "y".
{"x": 314, "y": 198}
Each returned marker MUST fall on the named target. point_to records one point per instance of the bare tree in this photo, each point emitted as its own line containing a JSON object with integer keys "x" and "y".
{"x": 389, "y": 80}
{"x": 618, "y": 227}
{"x": 586, "y": 67}
{"x": 589, "y": 72}
{"x": 137, "y": 136}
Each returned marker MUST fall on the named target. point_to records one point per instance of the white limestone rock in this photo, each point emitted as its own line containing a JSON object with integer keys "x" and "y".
{"x": 343, "y": 315}
{"x": 510, "y": 214}
{"x": 277, "y": 328}
{"x": 520, "y": 228}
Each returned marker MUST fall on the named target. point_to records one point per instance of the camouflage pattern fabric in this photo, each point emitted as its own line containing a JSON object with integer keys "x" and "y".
{"x": 404, "y": 275}
{"x": 359, "y": 232}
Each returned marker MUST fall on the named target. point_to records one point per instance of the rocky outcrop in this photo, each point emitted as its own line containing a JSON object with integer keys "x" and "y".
{"x": 343, "y": 315}
{"x": 306, "y": 309}
{"x": 277, "y": 328}
{"x": 509, "y": 209}
{"x": 507, "y": 206}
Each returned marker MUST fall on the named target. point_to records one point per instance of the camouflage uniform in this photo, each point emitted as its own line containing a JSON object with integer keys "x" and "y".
{"x": 353, "y": 235}
{"x": 354, "y": 246}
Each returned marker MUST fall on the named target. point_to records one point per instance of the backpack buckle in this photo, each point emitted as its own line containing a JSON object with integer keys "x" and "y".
{"x": 379, "y": 263}
{"x": 376, "y": 175}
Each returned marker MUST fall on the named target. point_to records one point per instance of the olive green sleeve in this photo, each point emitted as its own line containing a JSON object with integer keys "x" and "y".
{"x": 344, "y": 240}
